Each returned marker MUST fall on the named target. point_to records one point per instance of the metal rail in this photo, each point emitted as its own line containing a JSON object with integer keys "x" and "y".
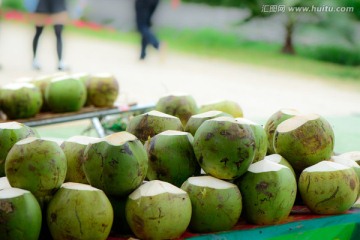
{"x": 94, "y": 114}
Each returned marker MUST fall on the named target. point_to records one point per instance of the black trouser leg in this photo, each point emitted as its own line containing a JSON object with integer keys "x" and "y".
{"x": 58, "y": 28}
{"x": 38, "y": 31}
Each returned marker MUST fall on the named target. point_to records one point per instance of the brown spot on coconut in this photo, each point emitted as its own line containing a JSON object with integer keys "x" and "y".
{"x": 36, "y": 165}
{"x": 20, "y": 100}
{"x": 260, "y": 138}
{"x": 4, "y": 183}
{"x": 74, "y": 148}
{"x": 224, "y": 148}
{"x": 147, "y": 125}
{"x": 116, "y": 164}
{"x": 269, "y": 192}
{"x": 276, "y": 158}
{"x": 87, "y": 213}
{"x": 171, "y": 157}
{"x": 158, "y": 210}
{"x": 329, "y": 187}
{"x": 304, "y": 140}
{"x": 182, "y": 106}
{"x": 65, "y": 94}
{"x": 20, "y": 215}
{"x": 273, "y": 122}
{"x": 216, "y": 204}
{"x": 103, "y": 90}
{"x": 226, "y": 106}
{"x": 347, "y": 162}
{"x": 196, "y": 120}
{"x": 10, "y": 133}
{"x": 354, "y": 155}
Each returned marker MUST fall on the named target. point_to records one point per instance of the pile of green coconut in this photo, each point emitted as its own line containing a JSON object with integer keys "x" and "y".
{"x": 58, "y": 92}
{"x": 177, "y": 168}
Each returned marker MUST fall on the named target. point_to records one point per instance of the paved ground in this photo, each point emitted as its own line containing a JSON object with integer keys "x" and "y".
{"x": 260, "y": 91}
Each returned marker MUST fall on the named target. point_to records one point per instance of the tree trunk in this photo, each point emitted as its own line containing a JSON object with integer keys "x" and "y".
{"x": 288, "y": 47}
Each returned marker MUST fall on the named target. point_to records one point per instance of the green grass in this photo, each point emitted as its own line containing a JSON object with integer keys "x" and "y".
{"x": 213, "y": 44}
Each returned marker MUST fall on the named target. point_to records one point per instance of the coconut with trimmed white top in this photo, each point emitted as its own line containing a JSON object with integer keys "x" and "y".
{"x": 171, "y": 157}
{"x": 276, "y": 158}
{"x": 348, "y": 162}
{"x": 226, "y": 106}
{"x": 158, "y": 210}
{"x": 274, "y": 121}
{"x": 4, "y": 183}
{"x": 260, "y": 138}
{"x": 354, "y": 155}
{"x": 116, "y": 164}
{"x": 42, "y": 82}
{"x": 328, "y": 187}
{"x": 74, "y": 148}
{"x": 216, "y": 204}
{"x": 224, "y": 148}
{"x": 65, "y": 94}
{"x": 36, "y": 165}
{"x": 103, "y": 89}
{"x": 20, "y": 100}
{"x": 10, "y": 133}
{"x": 304, "y": 140}
{"x": 196, "y": 120}
{"x": 151, "y": 123}
{"x": 79, "y": 211}
{"x": 269, "y": 192}
{"x": 20, "y": 215}
{"x": 179, "y": 105}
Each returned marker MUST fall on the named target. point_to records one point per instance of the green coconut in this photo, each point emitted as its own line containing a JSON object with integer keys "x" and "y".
{"x": 65, "y": 94}
{"x": 20, "y": 215}
{"x": 149, "y": 124}
{"x": 171, "y": 157}
{"x": 304, "y": 140}
{"x": 260, "y": 138}
{"x": 10, "y": 133}
{"x": 216, "y": 204}
{"x": 42, "y": 82}
{"x": 74, "y": 148}
{"x": 224, "y": 148}
{"x": 116, "y": 164}
{"x": 182, "y": 106}
{"x": 4, "y": 183}
{"x": 347, "y": 162}
{"x": 226, "y": 106}
{"x": 269, "y": 192}
{"x": 158, "y": 210}
{"x": 85, "y": 79}
{"x": 354, "y": 155}
{"x": 273, "y": 122}
{"x": 196, "y": 120}
{"x": 79, "y": 211}
{"x": 20, "y": 100}
{"x": 328, "y": 187}
{"x": 103, "y": 89}
{"x": 276, "y": 158}
{"x": 36, "y": 165}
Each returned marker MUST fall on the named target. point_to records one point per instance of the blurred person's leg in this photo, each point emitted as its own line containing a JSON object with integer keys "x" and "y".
{"x": 144, "y": 10}
{"x": 58, "y": 28}
{"x": 152, "y": 7}
{"x": 38, "y": 30}
{"x": 148, "y": 38}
